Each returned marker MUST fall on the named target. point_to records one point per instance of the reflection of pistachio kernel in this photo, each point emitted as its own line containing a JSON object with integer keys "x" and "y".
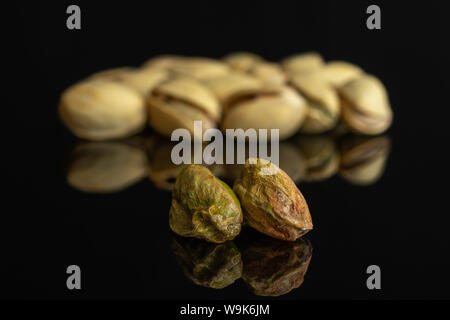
{"x": 104, "y": 167}
{"x": 162, "y": 171}
{"x": 207, "y": 264}
{"x": 273, "y": 267}
{"x": 204, "y": 207}
{"x": 321, "y": 157}
{"x": 271, "y": 201}
{"x": 363, "y": 159}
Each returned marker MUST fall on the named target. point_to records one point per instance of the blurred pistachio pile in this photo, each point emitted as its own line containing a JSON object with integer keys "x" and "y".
{"x": 301, "y": 93}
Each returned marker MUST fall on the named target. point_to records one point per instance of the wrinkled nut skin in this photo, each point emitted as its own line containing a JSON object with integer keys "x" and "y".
{"x": 290, "y": 158}
{"x": 271, "y": 201}
{"x": 365, "y": 105}
{"x": 105, "y": 167}
{"x": 178, "y": 102}
{"x": 322, "y": 101}
{"x": 363, "y": 159}
{"x": 273, "y": 267}
{"x": 274, "y": 107}
{"x": 102, "y": 109}
{"x": 204, "y": 207}
{"x": 303, "y": 63}
{"x": 210, "y": 265}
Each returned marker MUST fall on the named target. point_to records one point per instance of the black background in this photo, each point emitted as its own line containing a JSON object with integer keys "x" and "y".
{"x": 122, "y": 241}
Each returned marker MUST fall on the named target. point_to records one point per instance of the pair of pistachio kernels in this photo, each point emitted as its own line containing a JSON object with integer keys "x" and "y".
{"x": 241, "y": 91}
{"x": 205, "y": 207}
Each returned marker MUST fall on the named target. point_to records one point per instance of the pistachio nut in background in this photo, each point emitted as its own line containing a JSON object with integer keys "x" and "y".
{"x": 102, "y": 109}
{"x": 208, "y": 264}
{"x": 196, "y": 67}
{"x": 322, "y": 102}
{"x": 234, "y": 84}
{"x": 178, "y": 102}
{"x": 302, "y": 63}
{"x": 242, "y": 61}
{"x": 142, "y": 80}
{"x": 365, "y": 105}
{"x": 338, "y": 73}
{"x": 256, "y": 66}
{"x": 302, "y": 93}
{"x": 204, "y": 207}
{"x": 272, "y": 203}
{"x": 271, "y": 107}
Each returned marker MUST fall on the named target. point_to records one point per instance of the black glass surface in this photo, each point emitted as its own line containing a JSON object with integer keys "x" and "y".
{"x": 121, "y": 240}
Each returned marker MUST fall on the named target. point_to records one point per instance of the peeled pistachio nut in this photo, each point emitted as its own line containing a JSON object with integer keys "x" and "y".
{"x": 273, "y": 267}
{"x": 178, "y": 102}
{"x": 207, "y": 264}
{"x": 102, "y": 109}
{"x": 272, "y": 203}
{"x": 363, "y": 159}
{"x": 270, "y": 73}
{"x": 242, "y": 61}
{"x": 365, "y": 105}
{"x": 233, "y": 84}
{"x": 106, "y": 167}
{"x": 321, "y": 157}
{"x": 303, "y": 63}
{"x": 322, "y": 101}
{"x": 337, "y": 73}
{"x": 274, "y": 107}
{"x": 204, "y": 207}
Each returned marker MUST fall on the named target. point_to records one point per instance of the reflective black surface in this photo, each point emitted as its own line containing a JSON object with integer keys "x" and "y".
{"x": 121, "y": 240}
